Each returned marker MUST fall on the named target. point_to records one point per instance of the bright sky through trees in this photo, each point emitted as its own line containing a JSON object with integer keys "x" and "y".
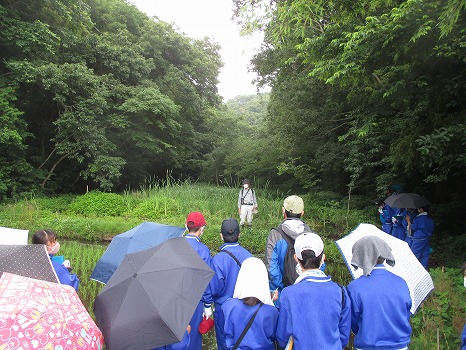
{"x": 212, "y": 18}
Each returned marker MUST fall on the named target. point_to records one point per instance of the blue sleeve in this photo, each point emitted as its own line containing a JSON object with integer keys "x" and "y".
{"x": 276, "y": 265}
{"x": 228, "y": 326}
{"x": 463, "y": 338}
{"x": 64, "y": 276}
{"x": 207, "y": 296}
{"x": 345, "y": 319}
{"x": 284, "y": 328}
{"x": 355, "y": 310}
{"x": 422, "y": 227}
{"x": 217, "y": 283}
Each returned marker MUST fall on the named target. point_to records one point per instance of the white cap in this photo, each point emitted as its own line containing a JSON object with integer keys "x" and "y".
{"x": 308, "y": 241}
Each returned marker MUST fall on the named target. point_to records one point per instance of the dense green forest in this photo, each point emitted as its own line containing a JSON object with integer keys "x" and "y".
{"x": 94, "y": 94}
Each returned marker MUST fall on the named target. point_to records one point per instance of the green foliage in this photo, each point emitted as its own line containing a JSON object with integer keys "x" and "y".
{"x": 56, "y": 204}
{"x": 441, "y": 318}
{"x": 100, "y": 84}
{"x": 98, "y": 203}
{"x": 155, "y": 208}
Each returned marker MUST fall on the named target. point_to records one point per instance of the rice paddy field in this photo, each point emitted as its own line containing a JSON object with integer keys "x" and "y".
{"x": 86, "y": 223}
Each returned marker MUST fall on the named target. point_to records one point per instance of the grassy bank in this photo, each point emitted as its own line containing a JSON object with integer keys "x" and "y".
{"x": 84, "y": 223}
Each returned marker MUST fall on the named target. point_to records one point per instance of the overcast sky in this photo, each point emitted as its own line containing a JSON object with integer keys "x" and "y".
{"x": 211, "y": 18}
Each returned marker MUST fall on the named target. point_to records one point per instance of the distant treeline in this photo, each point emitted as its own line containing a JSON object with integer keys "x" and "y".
{"x": 95, "y": 93}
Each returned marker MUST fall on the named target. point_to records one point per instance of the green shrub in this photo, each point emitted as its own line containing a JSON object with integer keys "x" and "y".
{"x": 99, "y": 203}
{"x": 155, "y": 208}
{"x": 55, "y": 204}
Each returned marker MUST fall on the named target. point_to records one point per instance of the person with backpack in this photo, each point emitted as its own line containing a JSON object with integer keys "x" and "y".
{"x": 279, "y": 249}
{"x": 226, "y": 265}
{"x": 247, "y": 204}
{"x": 315, "y": 312}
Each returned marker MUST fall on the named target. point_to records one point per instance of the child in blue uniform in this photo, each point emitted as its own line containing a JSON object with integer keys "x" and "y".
{"x": 195, "y": 224}
{"x": 48, "y": 238}
{"x": 251, "y": 290}
{"x": 380, "y": 300}
{"x": 398, "y": 230}
{"x": 315, "y": 311}
{"x": 226, "y": 268}
{"x": 420, "y": 230}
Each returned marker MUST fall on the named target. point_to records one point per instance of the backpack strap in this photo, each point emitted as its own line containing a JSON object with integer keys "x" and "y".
{"x": 247, "y": 327}
{"x": 231, "y": 254}
{"x": 284, "y": 235}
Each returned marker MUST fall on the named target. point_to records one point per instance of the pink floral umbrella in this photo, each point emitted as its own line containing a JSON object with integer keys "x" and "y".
{"x": 36, "y": 314}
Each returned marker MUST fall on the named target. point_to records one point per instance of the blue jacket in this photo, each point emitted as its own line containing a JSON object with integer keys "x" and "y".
{"x": 380, "y": 310}
{"x": 64, "y": 275}
{"x": 422, "y": 228}
{"x": 222, "y": 285}
{"x": 260, "y": 335}
{"x": 276, "y": 249}
{"x": 463, "y": 338}
{"x": 316, "y": 312}
{"x": 398, "y": 230}
{"x": 386, "y": 219}
{"x": 195, "y": 342}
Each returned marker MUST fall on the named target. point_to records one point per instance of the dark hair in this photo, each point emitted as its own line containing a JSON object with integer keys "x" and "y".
{"x": 251, "y": 301}
{"x": 44, "y": 236}
{"x": 40, "y": 237}
{"x": 380, "y": 260}
{"x": 292, "y": 215}
{"x": 310, "y": 260}
{"x": 230, "y": 238}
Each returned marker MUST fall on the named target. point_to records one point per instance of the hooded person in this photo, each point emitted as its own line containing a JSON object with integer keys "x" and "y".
{"x": 380, "y": 300}
{"x": 251, "y": 298}
{"x": 277, "y": 241}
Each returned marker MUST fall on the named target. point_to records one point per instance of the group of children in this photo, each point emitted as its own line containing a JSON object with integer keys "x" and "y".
{"x": 314, "y": 312}
{"x": 412, "y": 225}
{"x": 251, "y": 311}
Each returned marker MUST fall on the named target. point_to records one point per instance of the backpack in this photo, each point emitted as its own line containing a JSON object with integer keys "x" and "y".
{"x": 289, "y": 269}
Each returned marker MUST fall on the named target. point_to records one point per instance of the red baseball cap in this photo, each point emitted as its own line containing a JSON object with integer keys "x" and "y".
{"x": 195, "y": 219}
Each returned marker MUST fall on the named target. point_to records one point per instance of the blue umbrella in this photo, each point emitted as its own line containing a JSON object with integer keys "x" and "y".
{"x": 143, "y": 236}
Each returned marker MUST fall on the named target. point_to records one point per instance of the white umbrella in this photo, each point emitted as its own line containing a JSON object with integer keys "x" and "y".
{"x": 407, "y": 266}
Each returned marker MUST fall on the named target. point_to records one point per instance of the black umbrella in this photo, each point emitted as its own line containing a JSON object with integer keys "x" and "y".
{"x": 406, "y": 200}
{"x": 150, "y": 299}
{"x": 30, "y": 260}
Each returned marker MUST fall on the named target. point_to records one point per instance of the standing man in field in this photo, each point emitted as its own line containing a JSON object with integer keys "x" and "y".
{"x": 247, "y": 204}
{"x": 195, "y": 225}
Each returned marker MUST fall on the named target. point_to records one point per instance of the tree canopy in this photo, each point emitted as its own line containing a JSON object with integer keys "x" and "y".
{"x": 95, "y": 92}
